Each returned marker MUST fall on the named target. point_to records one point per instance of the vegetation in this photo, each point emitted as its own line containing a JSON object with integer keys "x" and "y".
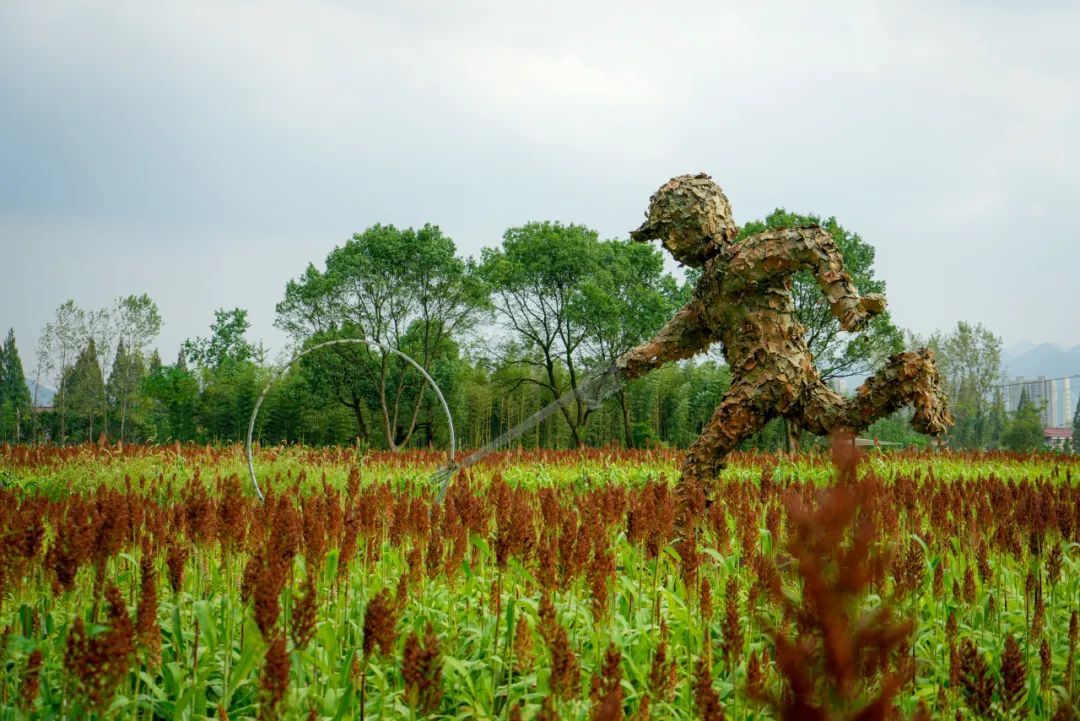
{"x": 552, "y": 304}
{"x": 148, "y": 582}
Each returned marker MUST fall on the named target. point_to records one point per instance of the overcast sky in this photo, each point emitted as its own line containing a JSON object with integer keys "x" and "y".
{"x": 204, "y": 153}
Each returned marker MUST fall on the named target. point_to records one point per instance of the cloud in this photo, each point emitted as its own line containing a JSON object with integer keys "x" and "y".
{"x": 202, "y": 133}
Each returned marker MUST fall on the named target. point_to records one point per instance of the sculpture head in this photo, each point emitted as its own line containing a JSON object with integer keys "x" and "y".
{"x": 691, "y": 217}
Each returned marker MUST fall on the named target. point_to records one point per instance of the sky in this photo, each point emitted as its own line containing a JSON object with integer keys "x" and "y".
{"x": 205, "y": 153}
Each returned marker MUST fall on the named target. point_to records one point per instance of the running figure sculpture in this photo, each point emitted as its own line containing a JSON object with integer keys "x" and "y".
{"x": 744, "y": 301}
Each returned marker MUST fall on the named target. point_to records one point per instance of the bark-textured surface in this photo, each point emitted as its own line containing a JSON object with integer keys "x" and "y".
{"x": 743, "y": 301}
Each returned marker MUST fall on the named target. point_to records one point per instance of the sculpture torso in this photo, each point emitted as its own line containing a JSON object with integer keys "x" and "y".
{"x": 750, "y": 310}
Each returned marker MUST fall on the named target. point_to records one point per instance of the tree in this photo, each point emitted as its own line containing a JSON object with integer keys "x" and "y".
{"x": 84, "y": 387}
{"x": 1025, "y": 432}
{"x": 623, "y": 302}
{"x": 226, "y": 347}
{"x": 538, "y": 277}
{"x": 228, "y": 369}
{"x": 138, "y": 322}
{"x": 969, "y": 359}
{"x": 15, "y": 403}
{"x": 404, "y": 288}
{"x": 60, "y": 343}
{"x": 125, "y": 378}
{"x": 837, "y": 353}
{"x": 174, "y": 394}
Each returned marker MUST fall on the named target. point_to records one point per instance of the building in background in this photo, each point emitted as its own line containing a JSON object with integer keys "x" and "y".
{"x": 1043, "y": 394}
{"x": 1056, "y": 438}
{"x": 1066, "y": 404}
{"x": 839, "y": 385}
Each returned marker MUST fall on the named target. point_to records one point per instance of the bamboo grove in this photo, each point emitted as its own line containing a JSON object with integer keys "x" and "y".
{"x": 141, "y": 582}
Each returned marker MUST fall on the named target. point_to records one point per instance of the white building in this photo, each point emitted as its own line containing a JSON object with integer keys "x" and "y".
{"x": 1042, "y": 392}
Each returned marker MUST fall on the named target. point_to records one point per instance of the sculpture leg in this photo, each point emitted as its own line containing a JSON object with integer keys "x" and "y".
{"x": 742, "y": 412}
{"x": 907, "y": 378}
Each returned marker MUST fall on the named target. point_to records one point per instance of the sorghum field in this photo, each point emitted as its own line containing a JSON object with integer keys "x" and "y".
{"x": 149, "y": 582}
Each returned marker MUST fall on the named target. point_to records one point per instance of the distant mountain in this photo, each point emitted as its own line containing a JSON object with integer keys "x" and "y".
{"x": 1046, "y": 359}
{"x": 1020, "y": 348}
{"x": 44, "y": 395}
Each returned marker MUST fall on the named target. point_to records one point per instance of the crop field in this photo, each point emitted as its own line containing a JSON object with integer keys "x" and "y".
{"x": 145, "y": 582}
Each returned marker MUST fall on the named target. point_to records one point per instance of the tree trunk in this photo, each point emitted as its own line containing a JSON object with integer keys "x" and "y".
{"x": 362, "y": 431}
{"x": 628, "y": 433}
{"x": 123, "y": 416}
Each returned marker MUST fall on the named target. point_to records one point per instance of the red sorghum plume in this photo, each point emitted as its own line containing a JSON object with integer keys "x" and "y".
{"x": 1054, "y": 561}
{"x": 600, "y": 575}
{"x": 265, "y": 577}
{"x": 1013, "y": 678}
{"x": 1045, "y": 664}
{"x": 975, "y": 680}
{"x": 547, "y": 709}
{"x": 755, "y": 681}
{"x": 1065, "y": 712}
{"x": 1038, "y": 618}
{"x": 28, "y": 688}
{"x": 421, "y": 668}
{"x": 523, "y": 646}
{"x": 99, "y": 662}
{"x": 546, "y": 613}
{"x": 175, "y": 558}
{"x": 606, "y": 693}
{"x": 304, "y": 612}
{"x": 662, "y": 673}
{"x": 565, "y": 678}
{"x": 706, "y": 604}
{"x": 982, "y": 560}
{"x": 955, "y": 671}
{"x": 515, "y": 712}
{"x": 380, "y": 622}
{"x": 969, "y": 585}
{"x": 909, "y": 575}
{"x": 937, "y": 586}
{"x": 733, "y": 632}
{"x": 643, "y": 712}
{"x": 706, "y": 700}
{"x": 147, "y": 629}
{"x": 274, "y": 679}
{"x": 827, "y": 667}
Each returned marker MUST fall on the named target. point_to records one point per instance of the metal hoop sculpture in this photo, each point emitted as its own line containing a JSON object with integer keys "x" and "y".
{"x": 326, "y": 344}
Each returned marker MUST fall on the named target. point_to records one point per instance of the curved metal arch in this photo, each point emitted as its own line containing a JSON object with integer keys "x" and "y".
{"x": 325, "y": 344}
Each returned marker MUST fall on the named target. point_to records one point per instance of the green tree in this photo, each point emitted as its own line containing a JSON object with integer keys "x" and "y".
{"x": 15, "y": 403}
{"x": 837, "y": 353}
{"x": 228, "y": 374}
{"x": 125, "y": 380}
{"x": 227, "y": 344}
{"x": 624, "y": 302}
{"x": 84, "y": 388}
{"x": 538, "y": 278}
{"x": 1025, "y": 431}
{"x": 173, "y": 392}
{"x": 969, "y": 359}
{"x": 138, "y": 322}
{"x": 404, "y": 288}
{"x": 61, "y": 341}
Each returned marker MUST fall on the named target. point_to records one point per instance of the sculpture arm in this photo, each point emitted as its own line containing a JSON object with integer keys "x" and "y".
{"x": 813, "y": 249}
{"x": 681, "y": 337}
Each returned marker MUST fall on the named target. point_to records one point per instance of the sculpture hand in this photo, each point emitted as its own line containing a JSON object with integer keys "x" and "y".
{"x": 632, "y": 365}
{"x": 872, "y": 304}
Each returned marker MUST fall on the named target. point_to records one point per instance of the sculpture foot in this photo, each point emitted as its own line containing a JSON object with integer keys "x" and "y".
{"x": 931, "y": 413}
